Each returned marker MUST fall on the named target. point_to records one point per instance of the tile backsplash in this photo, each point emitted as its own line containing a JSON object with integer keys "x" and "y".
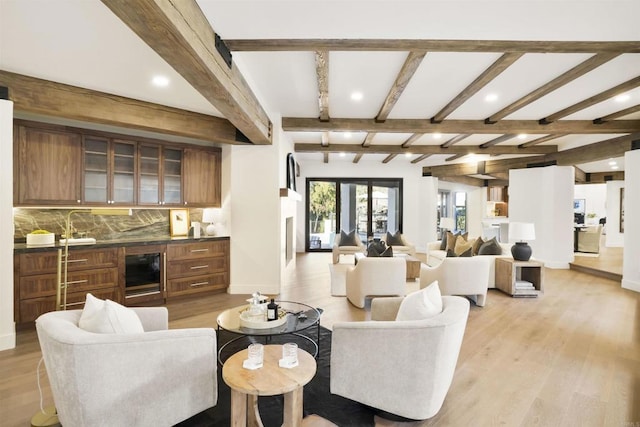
{"x": 142, "y": 224}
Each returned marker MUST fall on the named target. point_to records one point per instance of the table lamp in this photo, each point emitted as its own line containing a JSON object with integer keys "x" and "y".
{"x": 520, "y": 232}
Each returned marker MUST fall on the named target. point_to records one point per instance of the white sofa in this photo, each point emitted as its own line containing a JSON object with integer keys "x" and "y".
{"x": 406, "y": 247}
{"x": 435, "y": 257}
{"x": 459, "y": 276}
{"x": 377, "y": 276}
{"x": 338, "y": 250}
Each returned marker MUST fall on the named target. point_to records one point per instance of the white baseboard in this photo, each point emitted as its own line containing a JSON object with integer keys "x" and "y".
{"x": 250, "y": 289}
{"x": 8, "y": 341}
{"x": 631, "y": 285}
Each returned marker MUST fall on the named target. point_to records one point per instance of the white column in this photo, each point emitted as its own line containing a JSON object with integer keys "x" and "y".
{"x": 631, "y": 260}
{"x": 614, "y": 238}
{"x": 427, "y": 208}
{"x": 544, "y": 196}
{"x": 7, "y": 324}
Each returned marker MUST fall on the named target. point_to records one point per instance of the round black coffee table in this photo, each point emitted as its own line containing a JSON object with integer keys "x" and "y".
{"x": 299, "y": 318}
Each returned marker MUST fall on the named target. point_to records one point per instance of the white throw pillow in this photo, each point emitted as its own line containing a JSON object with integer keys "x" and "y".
{"x": 108, "y": 317}
{"x": 421, "y": 304}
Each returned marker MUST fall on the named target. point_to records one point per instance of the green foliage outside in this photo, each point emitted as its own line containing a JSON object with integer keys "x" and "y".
{"x": 322, "y": 201}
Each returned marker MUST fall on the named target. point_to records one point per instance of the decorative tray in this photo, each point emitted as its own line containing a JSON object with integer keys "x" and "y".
{"x": 246, "y": 322}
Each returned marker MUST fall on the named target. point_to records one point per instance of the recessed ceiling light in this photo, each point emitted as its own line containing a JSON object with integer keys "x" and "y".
{"x": 471, "y": 158}
{"x": 612, "y": 163}
{"x": 622, "y": 98}
{"x": 347, "y": 135}
{"x": 614, "y": 167}
{"x": 437, "y": 135}
{"x": 492, "y": 97}
{"x": 160, "y": 81}
{"x": 343, "y": 154}
{"x": 356, "y": 96}
{"x": 522, "y": 136}
{"x": 408, "y": 154}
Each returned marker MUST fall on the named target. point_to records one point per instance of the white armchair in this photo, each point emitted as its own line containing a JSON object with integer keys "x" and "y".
{"x": 406, "y": 247}
{"x": 401, "y": 367}
{"x": 377, "y": 276}
{"x": 467, "y": 276}
{"x": 159, "y": 377}
{"x": 338, "y": 250}
{"x": 589, "y": 239}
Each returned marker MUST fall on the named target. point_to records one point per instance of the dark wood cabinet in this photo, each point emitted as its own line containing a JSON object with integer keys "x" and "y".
{"x": 47, "y": 167}
{"x": 202, "y": 177}
{"x": 197, "y": 267}
{"x": 108, "y": 171}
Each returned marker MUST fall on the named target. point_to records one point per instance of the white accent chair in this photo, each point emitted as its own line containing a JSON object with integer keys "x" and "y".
{"x": 406, "y": 247}
{"x": 159, "y": 377}
{"x": 338, "y": 250}
{"x": 589, "y": 239}
{"x": 400, "y": 367}
{"x": 377, "y": 276}
{"x": 468, "y": 276}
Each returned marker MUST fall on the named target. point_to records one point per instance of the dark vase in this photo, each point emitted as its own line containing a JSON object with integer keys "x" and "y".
{"x": 521, "y": 251}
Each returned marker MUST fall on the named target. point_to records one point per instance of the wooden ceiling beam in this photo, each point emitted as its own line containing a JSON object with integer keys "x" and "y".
{"x": 497, "y": 140}
{"x": 412, "y": 139}
{"x": 618, "y": 114}
{"x": 179, "y": 32}
{"x": 504, "y": 62}
{"x": 325, "y": 158}
{"x": 357, "y": 157}
{"x": 454, "y": 140}
{"x": 602, "y": 177}
{"x": 580, "y": 175}
{"x": 454, "y": 157}
{"x": 492, "y": 46}
{"x": 368, "y": 139}
{"x": 541, "y": 140}
{"x": 322, "y": 75}
{"x": 300, "y": 124}
{"x": 593, "y": 100}
{"x": 466, "y": 180}
{"x": 36, "y": 96}
{"x": 325, "y": 139}
{"x": 411, "y": 64}
{"x": 567, "y": 77}
{"x": 389, "y": 158}
{"x": 420, "y": 158}
{"x": 422, "y": 149}
{"x": 456, "y": 169}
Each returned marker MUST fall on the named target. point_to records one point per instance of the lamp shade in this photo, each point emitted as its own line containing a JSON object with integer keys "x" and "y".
{"x": 521, "y": 231}
{"x": 447, "y": 223}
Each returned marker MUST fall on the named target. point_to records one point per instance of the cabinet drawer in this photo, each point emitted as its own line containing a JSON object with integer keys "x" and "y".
{"x": 196, "y": 267}
{"x": 177, "y": 252}
{"x": 79, "y": 281}
{"x": 47, "y": 262}
{"x": 191, "y": 285}
{"x": 30, "y": 309}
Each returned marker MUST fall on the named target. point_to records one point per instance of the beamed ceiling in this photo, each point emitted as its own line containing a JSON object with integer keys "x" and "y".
{"x": 566, "y": 91}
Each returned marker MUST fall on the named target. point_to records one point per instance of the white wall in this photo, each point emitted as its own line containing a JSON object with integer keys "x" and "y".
{"x": 595, "y": 196}
{"x": 419, "y": 209}
{"x": 613, "y": 236}
{"x": 7, "y": 325}
{"x": 544, "y": 196}
{"x": 631, "y": 259}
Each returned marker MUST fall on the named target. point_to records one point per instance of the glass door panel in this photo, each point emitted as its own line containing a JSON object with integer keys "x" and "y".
{"x": 461, "y": 212}
{"x": 149, "y": 169}
{"x": 95, "y": 170}
{"x": 321, "y": 214}
{"x": 172, "y": 176}
{"x": 354, "y": 208}
{"x": 123, "y": 173}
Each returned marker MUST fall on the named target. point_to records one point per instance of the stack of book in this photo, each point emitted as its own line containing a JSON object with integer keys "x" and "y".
{"x": 525, "y": 288}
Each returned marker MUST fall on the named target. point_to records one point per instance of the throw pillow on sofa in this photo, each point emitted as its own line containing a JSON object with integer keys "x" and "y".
{"x": 476, "y": 246}
{"x": 462, "y": 245}
{"x": 421, "y": 304}
{"x": 348, "y": 239}
{"x": 394, "y": 239}
{"x": 490, "y": 247}
{"x": 466, "y": 254}
{"x": 108, "y": 317}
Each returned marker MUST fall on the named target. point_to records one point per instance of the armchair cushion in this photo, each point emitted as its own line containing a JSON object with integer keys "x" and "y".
{"x": 421, "y": 304}
{"x": 108, "y": 317}
{"x": 490, "y": 247}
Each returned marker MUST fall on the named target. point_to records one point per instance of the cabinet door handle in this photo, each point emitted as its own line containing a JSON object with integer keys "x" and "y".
{"x": 198, "y": 267}
{"x": 193, "y": 285}
{"x": 199, "y": 250}
{"x": 78, "y": 260}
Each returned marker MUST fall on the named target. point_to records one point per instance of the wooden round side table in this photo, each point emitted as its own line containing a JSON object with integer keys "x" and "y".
{"x": 246, "y": 385}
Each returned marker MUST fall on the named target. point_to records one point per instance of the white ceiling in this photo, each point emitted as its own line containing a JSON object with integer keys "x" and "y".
{"x": 80, "y": 42}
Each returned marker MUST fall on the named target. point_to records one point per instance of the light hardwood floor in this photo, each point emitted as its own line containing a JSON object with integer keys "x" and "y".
{"x": 568, "y": 358}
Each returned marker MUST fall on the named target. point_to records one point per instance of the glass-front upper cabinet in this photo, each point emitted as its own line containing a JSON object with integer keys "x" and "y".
{"x": 149, "y": 167}
{"x": 109, "y": 171}
{"x": 160, "y": 175}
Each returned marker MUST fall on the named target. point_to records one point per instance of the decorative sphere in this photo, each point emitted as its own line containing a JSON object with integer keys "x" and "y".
{"x": 210, "y": 230}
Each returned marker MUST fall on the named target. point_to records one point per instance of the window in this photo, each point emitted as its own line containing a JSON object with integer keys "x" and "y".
{"x": 370, "y": 206}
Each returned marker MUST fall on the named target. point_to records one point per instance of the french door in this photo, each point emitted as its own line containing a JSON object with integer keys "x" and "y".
{"x": 371, "y": 207}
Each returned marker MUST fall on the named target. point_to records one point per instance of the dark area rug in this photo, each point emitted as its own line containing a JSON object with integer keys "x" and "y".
{"x": 317, "y": 397}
